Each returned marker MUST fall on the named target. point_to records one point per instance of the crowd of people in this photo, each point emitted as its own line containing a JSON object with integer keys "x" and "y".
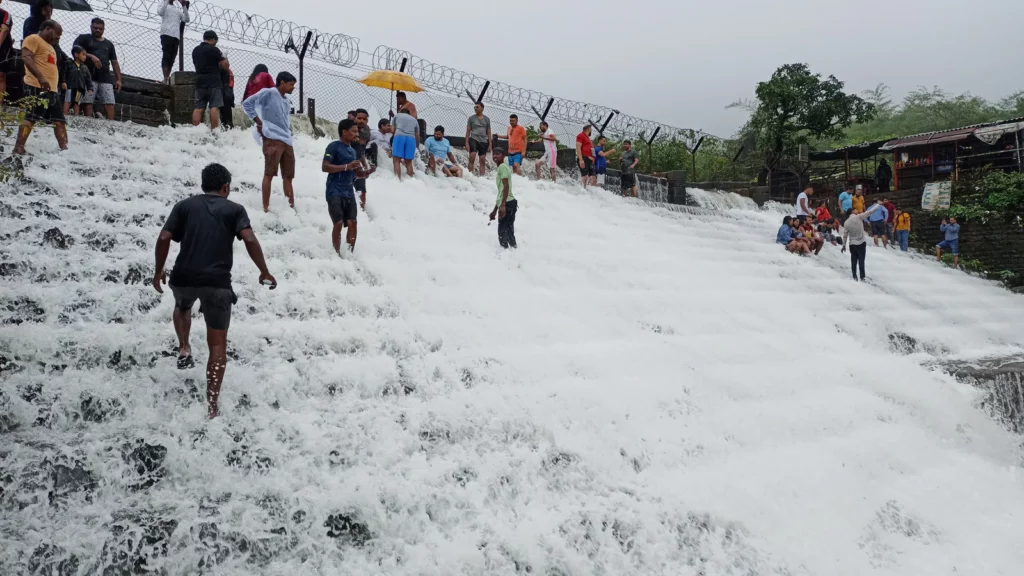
{"x": 882, "y": 222}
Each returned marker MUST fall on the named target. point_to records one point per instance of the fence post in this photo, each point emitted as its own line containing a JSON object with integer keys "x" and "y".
{"x": 302, "y": 58}
{"x": 181, "y": 48}
{"x": 317, "y": 132}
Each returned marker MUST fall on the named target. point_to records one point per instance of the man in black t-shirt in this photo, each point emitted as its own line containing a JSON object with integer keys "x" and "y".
{"x": 359, "y": 145}
{"x": 6, "y": 51}
{"x": 101, "y": 56}
{"x": 209, "y": 62}
{"x": 206, "y": 225}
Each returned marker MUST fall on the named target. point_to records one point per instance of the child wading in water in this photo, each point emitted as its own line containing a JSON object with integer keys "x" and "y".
{"x": 79, "y": 80}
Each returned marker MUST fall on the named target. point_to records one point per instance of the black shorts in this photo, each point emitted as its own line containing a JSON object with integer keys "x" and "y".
{"x": 52, "y": 111}
{"x": 627, "y": 180}
{"x": 7, "y": 62}
{"x": 478, "y": 147}
{"x": 371, "y": 153}
{"x": 879, "y": 228}
{"x": 588, "y": 167}
{"x": 169, "y": 45}
{"x": 209, "y": 97}
{"x": 214, "y": 303}
{"x": 360, "y": 185}
{"x": 342, "y": 209}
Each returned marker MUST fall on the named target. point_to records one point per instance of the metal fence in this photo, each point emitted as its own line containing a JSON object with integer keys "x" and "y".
{"x": 332, "y": 65}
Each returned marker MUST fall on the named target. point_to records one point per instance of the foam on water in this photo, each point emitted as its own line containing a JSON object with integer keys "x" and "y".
{"x": 634, "y": 391}
{"x": 720, "y": 200}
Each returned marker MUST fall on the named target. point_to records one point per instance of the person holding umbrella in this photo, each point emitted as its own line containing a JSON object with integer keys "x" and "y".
{"x": 171, "y": 19}
{"x": 39, "y": 12}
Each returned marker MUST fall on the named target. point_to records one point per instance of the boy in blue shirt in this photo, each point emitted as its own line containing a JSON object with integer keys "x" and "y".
{"x": 340, "y": 163}
{"x": 440, "y": 154}
{"x": 601, "y": 152}
{"x": 845, "y": 202}
{"x": 952, "y": 241}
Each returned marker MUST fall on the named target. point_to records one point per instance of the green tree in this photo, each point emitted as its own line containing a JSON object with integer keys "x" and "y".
{"x": 797, "y": 106}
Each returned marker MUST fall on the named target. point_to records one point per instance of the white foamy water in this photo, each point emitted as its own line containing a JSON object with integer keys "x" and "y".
{"x": 633, "y": 391}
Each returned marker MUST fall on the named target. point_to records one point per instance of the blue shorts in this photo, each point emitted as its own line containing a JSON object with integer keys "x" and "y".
{"x": 514, "y": 159}
{"x": 951, "y": 245}
{"x": 403, "y": 147}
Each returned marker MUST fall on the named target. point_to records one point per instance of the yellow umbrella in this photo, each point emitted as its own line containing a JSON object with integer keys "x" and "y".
{"x": 392, "y": 80}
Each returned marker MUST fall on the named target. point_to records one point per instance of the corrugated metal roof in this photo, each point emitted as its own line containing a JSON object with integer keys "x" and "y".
{"x": 951, "y": 135}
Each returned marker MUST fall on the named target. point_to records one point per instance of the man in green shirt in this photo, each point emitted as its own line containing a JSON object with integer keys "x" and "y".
{"x": 505, "y": 205}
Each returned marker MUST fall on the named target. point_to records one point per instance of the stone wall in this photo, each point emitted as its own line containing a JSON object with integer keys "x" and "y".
{"x": 998, "y": 244}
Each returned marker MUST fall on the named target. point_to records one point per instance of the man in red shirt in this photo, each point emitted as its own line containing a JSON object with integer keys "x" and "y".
{"x": 890, "y": 223}
{"x": 585, "y": 156}
{"x": 821, "y": 213}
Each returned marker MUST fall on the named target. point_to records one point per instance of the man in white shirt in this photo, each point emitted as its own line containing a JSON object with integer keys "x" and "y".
{"x": 550, "y": 157}
{"x": 379, "y": 141}
{"x": 803, "y": 204}
{"x": 171, "y": 19}
{"x": 855, "y": 238}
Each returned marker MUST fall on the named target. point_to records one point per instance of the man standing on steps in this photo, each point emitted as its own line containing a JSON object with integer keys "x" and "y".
{"x": 41, "y": 81}
{"x": 269, "y": 109}
{"x": 855, "y": 237}
{"x": 505, "y": 205}
{"x": 845, "y": 202}
{"x": 340, "y": 163}
{"x": 879, "y": 229}
{"x": 403, "y": 104}
{"x": 101, "y": 55}
{"x": 171, "y": 19}
{"x": 206, "y": 225}
{"x": 585, "y": 156}
{"x": 550, "y": 157}
{"x": 478, "y": 138}
{"x": 404, "y": 144}
{"x": 359, "y": 145}
{"x": 951, "y": 242}
{"x": 803, "y": 204}
{"x": 208, "y": 62}
{"x": 516, "y": 137}
{"x": 627, "y": 166}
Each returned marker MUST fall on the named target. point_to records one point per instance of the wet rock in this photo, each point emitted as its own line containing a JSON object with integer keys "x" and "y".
{"x": 95, "y": 409}
{"x": 10, "y": 269}
{"x": 134, "y": 542}
{"x": 112, "y": 276}
{"x": 121, "y": 365}
{"x": 901, "y": 343}
{"x": 241, "y": 457}
{"x": 8, "y": 211}
{"x": 560, "y": 460}
{"x": 41, "y": 210}
{"x": 147, "y": 462}
{"x": 50, "y": 560}
{"x": 135, "y": 275}
{"x": 8, "y": 420}
{"x": 69, "y": 478}
{"x": 24, "y": 310}
{"x": 346, "y": 528}
{"x": 101, "y": 242}
{"x": 57, "y": 239}
{"x": 463, "y": 476}
{"x": 8, "y": 365}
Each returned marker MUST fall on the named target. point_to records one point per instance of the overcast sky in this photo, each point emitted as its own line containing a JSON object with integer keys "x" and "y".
{"x": 682, "y": 61}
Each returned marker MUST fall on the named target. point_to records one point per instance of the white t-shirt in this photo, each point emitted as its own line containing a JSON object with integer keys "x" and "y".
{"x": 799, "y": 210}
{"x": 550, "y": 147}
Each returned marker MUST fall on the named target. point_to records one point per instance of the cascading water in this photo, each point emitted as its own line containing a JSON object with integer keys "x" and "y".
{"x": 636, "y": 390}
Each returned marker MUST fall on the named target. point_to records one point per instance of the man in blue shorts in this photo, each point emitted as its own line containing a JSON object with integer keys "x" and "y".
{"x": 341, "y": 163}
{"x": 516, "y": 144}
{"x": 440, "y": 154}
{"x": 952, "y": 241}
{"x": 404, "y": 144}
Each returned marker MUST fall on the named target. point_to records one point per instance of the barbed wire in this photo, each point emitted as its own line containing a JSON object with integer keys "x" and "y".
{"x": 245, "y": 28}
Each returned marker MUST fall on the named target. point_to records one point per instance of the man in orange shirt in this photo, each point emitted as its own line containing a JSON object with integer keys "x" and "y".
{"x": 516, "y": 144}
{"x": 42, "y": 79}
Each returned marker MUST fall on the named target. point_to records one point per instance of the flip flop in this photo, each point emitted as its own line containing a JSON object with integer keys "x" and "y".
{"x": 186, "y": 362}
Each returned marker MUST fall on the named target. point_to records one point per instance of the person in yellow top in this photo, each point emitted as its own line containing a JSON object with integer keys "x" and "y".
{"x": 858, "y": 201}
{"x": 903, "y": 229}
{"x": 42, "y": 79}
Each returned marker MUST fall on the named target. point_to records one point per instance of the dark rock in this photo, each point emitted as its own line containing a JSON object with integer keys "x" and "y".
{"x": 901, "y": 343}
{"x": 7, "y": 211}
{"x": 147, "y": 461}
{"x": 101, "y": 242}
{"x": 346, "y": 528}
{"x": 121, "y": 365}
{"x": 42, "y": 210}
{"x": 54, "y": 237}
{"x": 133, "y": 542}
{"x": 9, "y": 269}
{"x": 52, "y": 561}
{"x": 70, "y": 477}
{"x": 112, "y": 276}
{"x": 135, "y": 274}
{"x": 95, "y": 409}
{"x": 24, "y": 310}
{"x": 561, "y": 459}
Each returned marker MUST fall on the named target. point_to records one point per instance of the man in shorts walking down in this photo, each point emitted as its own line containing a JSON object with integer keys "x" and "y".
{"x": 627, "y": 169}
{"x": 41, "y": 81}
{"x": 516, "y": 144}
{"x": 171, "y": 19}
{"x": 550, "y": 158}
{"x": 209, "y": 62}
{"x": 440, "y": 154}
{"x": 101, "y": 56}
{"x": 951, "y": 242}
{"x": 505, "y": 204}
{"x": 206, "y": 225}
{"x": 269, "y": 109}
{"x": 340, "y": 163}
{"x": 478, "y": 138}
{"x": 360, "y": 146}
{"x": 405, "y": 142}
{"x": 585, "y": 156}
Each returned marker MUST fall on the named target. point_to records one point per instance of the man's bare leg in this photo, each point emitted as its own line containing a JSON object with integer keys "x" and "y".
{"x": 938, "y": 254}
{"x": 109, "y": 109}
{"x": 266, "y": 192}
{"x": 167, "y": 74}
{"x": 197, "y": 115}
{"x": 483, "y": 165}
{"x": 88, "y": 114}
{"x": 23, "y": 132}
{"x": 362, "y": 200}
{"x": 214, "y": 117}
{"x": 60, "y": 131}
{"x": 398, "y": 167}
{"x": 336, "y": 235}
{"x": 432, "y": 166}
{"x": 408, "y": 167}
{"x": 351, "y": 237}
{"x": 182, "y": 328}
{"x": 537, "y": 170}
{"x": 289, "y": 192}
{"x": 218, "y": 341}
{"x": 956, "y": 260}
